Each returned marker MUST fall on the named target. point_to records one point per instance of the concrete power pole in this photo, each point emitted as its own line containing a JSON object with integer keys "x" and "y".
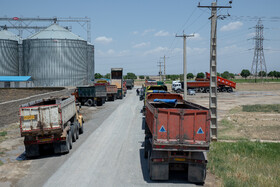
{"x": 213, "y": 70}
{"x": 160, "y": 72}
{"x": 164, "y": 67}
{"x": 185, "y": 62}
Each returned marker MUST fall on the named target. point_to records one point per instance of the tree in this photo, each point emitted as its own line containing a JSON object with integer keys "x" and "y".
{"x": 147, "y": 77}
{"x": 225, "y": 75}
{"x": 231, "y": 75}
{"x": 97, "y": 76}
{"x": 262, "y": 74}
{"x": 245, "y": 73}
{"x": 200, "y": 75}
{"x": 218, "y": 74}
{"x": 131, "y": 76}
{"x": 277, "y": 74}
{"x": 190, "y": 76}
{"x": 272, "y": 74}
{"x": 141, "y": 77}
{"x": 107, "y": 76}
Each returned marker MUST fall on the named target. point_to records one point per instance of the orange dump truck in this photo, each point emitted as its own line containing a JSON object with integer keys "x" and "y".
{"x": 177, "y": 137}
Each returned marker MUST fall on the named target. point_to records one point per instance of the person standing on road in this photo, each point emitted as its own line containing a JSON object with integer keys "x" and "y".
{"x": 137, "y": 91}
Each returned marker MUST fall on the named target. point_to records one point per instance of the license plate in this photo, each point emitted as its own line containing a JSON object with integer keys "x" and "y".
{"x": 31, "y": 117}
{"x": 45, "y": 140}
{"x": 180, "y": 159}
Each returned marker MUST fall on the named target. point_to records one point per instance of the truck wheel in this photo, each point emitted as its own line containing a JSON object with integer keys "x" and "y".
{"x": 81, "y": 130}
{"x": 90, "y": 102}
{"x": 73, "y": 132}
{"x": 146, "y": 146}
{"x": 207, "y": 90}
{"x": 77, "y": 130}
{"x": 99, "y": 103}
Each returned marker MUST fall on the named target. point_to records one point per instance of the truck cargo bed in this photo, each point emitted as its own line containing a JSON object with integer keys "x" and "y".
{"x": 180, "y": 126}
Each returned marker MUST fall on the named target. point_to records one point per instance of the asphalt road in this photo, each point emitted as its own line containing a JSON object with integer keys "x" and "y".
{"x": 109, "y": 153}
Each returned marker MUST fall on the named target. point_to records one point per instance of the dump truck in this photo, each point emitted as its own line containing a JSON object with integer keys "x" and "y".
{"x": 111, "y": 90}
{"x": 117, "y": 79}
{"x": 129, "y": 84}
{"x": 203, "y": 85}
{"x": 53, "y": 122}
{"x": 91, "y": 95}
{"x": 177, "y": 137}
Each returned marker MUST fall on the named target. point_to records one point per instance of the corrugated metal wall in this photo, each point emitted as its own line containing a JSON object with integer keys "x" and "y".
{"x": 52, "y": 62}
{"x": 91, "y": 69}
{"x": 9, "y": 64}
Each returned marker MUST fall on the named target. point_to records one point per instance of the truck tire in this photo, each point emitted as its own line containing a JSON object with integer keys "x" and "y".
{"x": 70, "y": 139}
{"x": 77, "y": 129}
{"x": 90, "y": 102}
{"x": 207, "y": 90}
{"x": 147, "y": 146}
{"x": 81, "y": 129}
{"x": 99, "y": 102}
{"x": 73, "y": 132}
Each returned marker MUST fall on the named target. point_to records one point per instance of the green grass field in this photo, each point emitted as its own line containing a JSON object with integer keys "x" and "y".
{"x": 261, "y": 108}
{"x": 245, "y": 163}
{"x": 253, "y": 80}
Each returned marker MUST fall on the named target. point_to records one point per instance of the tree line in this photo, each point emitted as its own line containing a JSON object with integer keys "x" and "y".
{"x": 226, "y": 74}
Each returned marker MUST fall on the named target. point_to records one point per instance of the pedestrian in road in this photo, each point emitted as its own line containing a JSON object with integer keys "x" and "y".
{"x": 137, "y": 91}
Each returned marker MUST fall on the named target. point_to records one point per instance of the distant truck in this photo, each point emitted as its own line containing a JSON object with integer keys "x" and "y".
{"x": 53, "y": 122}
{"x": 203, "y": 85}
{"x": 177, "y": 137}
{"x": 91, "y": 95}
{"x": 129, "y": 84}
{"x": 117, "y": 79}
{"x": 111, "y": 90}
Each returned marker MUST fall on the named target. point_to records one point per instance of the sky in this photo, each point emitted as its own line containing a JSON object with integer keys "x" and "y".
{"x": 137, "y": 34}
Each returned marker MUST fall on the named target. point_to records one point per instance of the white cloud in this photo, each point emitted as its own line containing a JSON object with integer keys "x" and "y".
{"x": 196, "y": 37}
{"x": 252, "y": 34}
{"x": 162, "y": 33}
{"x": 156, "y": 51}
{"x": 143, "y": 44}
{"x": 103, "y": 39}
{"x": 147, "y": 31}
{"x": 232, "y": 26}
{"x": 135, "y": 32}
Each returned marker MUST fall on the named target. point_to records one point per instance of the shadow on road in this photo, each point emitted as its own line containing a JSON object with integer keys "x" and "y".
{"x": 45, "y": 150}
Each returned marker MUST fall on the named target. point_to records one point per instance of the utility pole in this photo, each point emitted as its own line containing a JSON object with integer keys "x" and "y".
{"x": 164, "y": 67}
{"x": 185, "y": 62}
{"x": 160, "y": 72}
{"x": 213, "y": 69}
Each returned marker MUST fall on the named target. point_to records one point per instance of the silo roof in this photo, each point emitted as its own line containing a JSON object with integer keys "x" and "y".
{"x": 7, "y": 35}
{"x": 55, "y": 32}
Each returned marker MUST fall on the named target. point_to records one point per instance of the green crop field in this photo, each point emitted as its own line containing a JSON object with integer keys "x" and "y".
{"x": 245, "y": 163}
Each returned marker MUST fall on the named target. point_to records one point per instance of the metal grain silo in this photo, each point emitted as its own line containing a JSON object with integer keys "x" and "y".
{"x": 55, "y": 57}
{"x": 9, "y": 61}
{"x": 90, "y": 56}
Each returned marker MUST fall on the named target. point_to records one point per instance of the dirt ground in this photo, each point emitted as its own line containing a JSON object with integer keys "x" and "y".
{"x": 263, "y": 126}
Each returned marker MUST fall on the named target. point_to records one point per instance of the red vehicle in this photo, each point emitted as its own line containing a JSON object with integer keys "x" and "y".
{"x": 203, "y": 85}
{"x": 177, "y": 137}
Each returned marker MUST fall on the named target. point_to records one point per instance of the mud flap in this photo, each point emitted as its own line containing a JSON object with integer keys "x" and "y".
{"x": 196, "y": 173}
{"x": 32, "y": 150}
{"x": 159, "y": 171}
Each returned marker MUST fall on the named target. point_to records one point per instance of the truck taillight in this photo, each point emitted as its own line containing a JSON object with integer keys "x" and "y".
{"x": 158, "y": 160}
